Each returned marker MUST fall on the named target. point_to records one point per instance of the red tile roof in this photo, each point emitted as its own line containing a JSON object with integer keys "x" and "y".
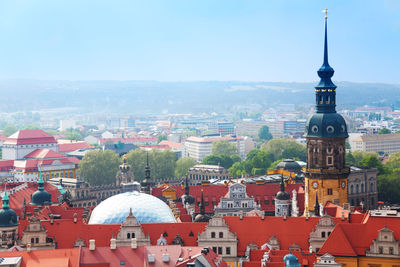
{"x": 23, "y": 137}
{"x": 171, "y": 144}
{"x": 46, "y": 258}
{"x": 65, "y": 146}
{"x": 260, "y": 192}
{"x": 353, "y": 239}
{"x": 41, "y": 153}
{"x": 17, "y": 198}
{"x": 129, "y": 140}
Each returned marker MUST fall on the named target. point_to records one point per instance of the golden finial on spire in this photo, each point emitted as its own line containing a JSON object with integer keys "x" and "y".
{"x": 326, "y": 12}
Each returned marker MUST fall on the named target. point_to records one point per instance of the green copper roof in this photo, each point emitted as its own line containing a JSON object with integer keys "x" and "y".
{"x": 8, "y": 217}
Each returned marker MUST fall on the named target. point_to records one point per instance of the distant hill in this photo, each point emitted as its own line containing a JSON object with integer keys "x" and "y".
{"x": 154, "y": 97}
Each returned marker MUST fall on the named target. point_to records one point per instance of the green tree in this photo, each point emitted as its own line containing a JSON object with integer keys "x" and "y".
{"x": 52, "y": 131}
{"x": 182, "y": 166}
{"x": 99, "y": 167}
{"x": 211, "y": 160}
{"x": 73, "y": 134}
{"x": 264, "y": 133}
{"x": 281, "y": 148}
{"x": 162, "y": 163}
{"x": 9, "y": 130}
{"x": 32, "y": 127}
{"x": 384, "y": 131}
{"x": 274, "y": 164}
{"x": 223, "y": 147}
{"x": 237, "y": 169}
{"x": 350, "y": 160}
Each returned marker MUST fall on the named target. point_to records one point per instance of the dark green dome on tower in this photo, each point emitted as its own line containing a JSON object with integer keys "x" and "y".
{"x": 326, "y": 122}
{"x": 8, "y": 217}
{"x": 41, "y": 196}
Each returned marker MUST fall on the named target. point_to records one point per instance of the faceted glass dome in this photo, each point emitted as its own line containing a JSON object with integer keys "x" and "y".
{"x": 146, "y": 208}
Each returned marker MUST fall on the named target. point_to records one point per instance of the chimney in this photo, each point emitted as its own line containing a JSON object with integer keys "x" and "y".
{"x": 133, "y": 243}
{"x": 113, "y": 243}
{"x": 51, "y": 219}
{"x": 263, "y": 215}
{"x": 75, "y": 218}
{"x": 92, "y": 245}
{"x": 241, "y": 215}
{"x": 342, "y": 215}
{"x": 165, "y": 257}
{"x": 28, "y": 247}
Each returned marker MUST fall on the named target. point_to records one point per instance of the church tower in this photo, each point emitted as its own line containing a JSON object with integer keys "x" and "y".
{"x": 326, "y": 132}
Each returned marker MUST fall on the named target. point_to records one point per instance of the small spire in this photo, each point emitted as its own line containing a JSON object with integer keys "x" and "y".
{"x": 186, "y": 186}
{"x": 202, "y": 206}
{"x": 40, "y": 182}
{"x": 147, "y": 169}
{"x": 326, "y": 39}
{"x": 282, "y": 184}
{"x": 316, "y": 206}
{"x": 5, "y": 198}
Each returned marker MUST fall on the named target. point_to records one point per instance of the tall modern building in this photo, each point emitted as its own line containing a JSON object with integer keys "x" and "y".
{"x": 326, "y": 173}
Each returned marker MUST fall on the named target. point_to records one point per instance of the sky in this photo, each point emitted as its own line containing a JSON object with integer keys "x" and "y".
{"x": 198, "y": 40}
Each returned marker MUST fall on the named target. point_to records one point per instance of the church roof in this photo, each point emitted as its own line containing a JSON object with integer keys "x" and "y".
{"x": 23, "y": 137}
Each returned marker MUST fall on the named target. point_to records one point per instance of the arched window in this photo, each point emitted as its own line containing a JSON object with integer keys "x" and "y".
{"x": 37, "y": 239}
{"x": 128, "y": 235}
{"x": 32, "y": 240}
{"x": 212, "y": 234}
{"x": 371, "y": 189}
{"x": 357, "y": 189}
{"x": 351, "y": 189}
{"x": 362, "y": 188}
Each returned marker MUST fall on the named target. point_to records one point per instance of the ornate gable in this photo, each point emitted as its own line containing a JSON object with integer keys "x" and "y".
{"x": 130, "y": 229}
{"x": 385, "y": 245}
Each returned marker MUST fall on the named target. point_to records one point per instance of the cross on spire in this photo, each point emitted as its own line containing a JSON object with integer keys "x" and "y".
{"x": 326, "y": 13}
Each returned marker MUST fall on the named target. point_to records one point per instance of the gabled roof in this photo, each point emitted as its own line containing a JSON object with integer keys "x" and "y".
{"x": 23, "y": 137}
{"x": 46, "y": 153}
{"x": 65, "y": 146}
{"x": 341, "y": 247}
{"x": 359, "y": 236}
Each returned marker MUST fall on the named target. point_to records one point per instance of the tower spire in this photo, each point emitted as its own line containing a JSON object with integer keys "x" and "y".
{"x": 282, "y": 184}
{"x": 326, "y": 89}
{"x": 5, "y": 198}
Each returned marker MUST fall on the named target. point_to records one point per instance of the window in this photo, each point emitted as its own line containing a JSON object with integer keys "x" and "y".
{"x": 128, "y": 235}
{"x": 329, "y": 233}
{"x": 215, "y": 249}
{"x": 132, "y": 235}
{"x": 330, "y": 191}
{"x": 323, "y": 234}
{"x": 329, "y": 160}
{"x": 362, "y": 188}
{"x": 357, "y": 189}
{"x": 32, "y": 240}
{"x": 380, "y": 250}
{"x": 220, "y": 250}
{"x": 37, "y": 240}
{"x": 221, "y": 234}
{"x": 228, "y": 251}
{"x": 266, "y": 202}
{"x": 212, "y": 234}
{"x": 206, "y": 203}
{"x": 351, "y": 189}
{"x": 371, "y": 189}
{"x": 391, "y": 250}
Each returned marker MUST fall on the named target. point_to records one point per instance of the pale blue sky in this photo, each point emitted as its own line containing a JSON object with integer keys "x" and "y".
{"x": 191, "y": 40}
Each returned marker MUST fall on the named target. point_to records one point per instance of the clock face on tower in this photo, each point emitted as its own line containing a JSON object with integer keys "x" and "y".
{"x": 315, "y": 185}
{"x": 343, "y": 184}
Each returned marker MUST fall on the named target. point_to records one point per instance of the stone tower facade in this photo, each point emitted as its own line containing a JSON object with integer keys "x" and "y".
{"x": 326, "y": 132}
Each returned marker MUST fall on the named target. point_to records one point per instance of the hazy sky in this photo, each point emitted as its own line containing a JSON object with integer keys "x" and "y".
{"x": 192, "y": 40}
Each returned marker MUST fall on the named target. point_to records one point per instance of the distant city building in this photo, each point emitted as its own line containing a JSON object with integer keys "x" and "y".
{"x": 200, "y": 147}
{"x": 207, "y": 172}
{"x": 249, "y": 127}
{"x": 67, "y": 124}
{"x": 380, "y": 143}
{"x": 363, "y": 188}
{"x": 226, "y": 128}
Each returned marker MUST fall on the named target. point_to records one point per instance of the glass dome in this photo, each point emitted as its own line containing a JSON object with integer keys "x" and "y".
{"x": 146, "y": 208}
